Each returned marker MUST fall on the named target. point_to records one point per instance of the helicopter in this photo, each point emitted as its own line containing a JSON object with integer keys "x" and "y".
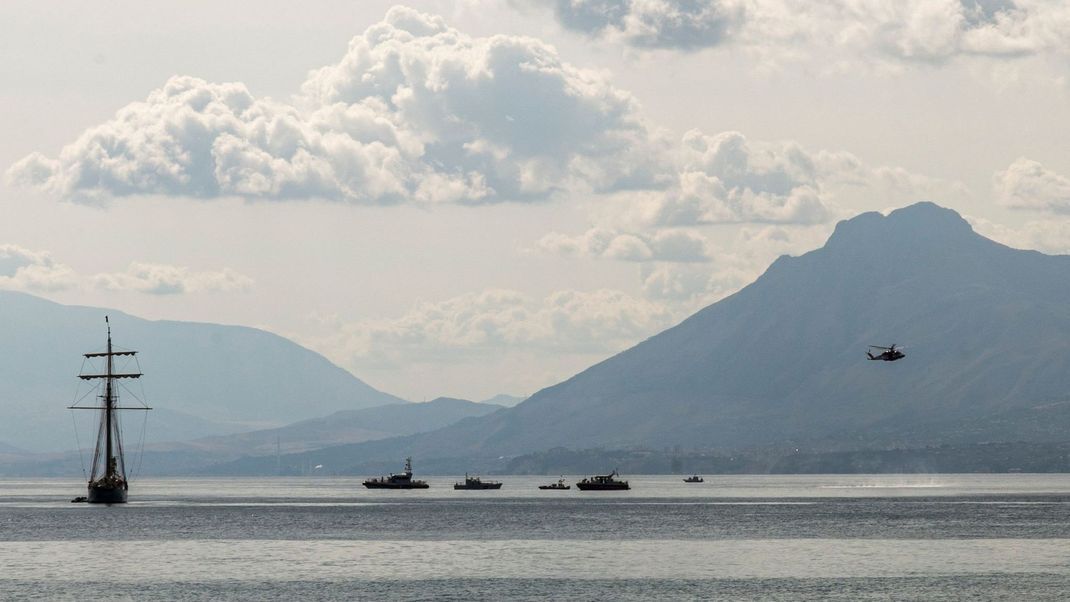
{"x": 888, "y": 354}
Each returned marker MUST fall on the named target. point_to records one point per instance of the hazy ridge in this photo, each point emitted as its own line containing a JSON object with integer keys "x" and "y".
{"x": 781, "y": 363}
{"x": 203, "y": 378}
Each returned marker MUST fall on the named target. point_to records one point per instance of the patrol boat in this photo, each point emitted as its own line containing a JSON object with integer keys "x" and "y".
{"x": 107, "y": 477}
{"x": 607, "y": 482}
{"x": 560, "y": 484}
{"x": 477, "y": 483}
{"x": 397, "y": 481}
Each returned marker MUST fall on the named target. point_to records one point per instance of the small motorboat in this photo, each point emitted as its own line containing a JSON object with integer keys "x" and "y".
{"x": 694, "y": 479}
{"x": 605, "y": 482}
{"x": 560, "y": 484}
{"x": 477, "y": 483}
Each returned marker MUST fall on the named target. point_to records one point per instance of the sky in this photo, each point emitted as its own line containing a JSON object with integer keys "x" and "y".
{"x": 479, "y": 197}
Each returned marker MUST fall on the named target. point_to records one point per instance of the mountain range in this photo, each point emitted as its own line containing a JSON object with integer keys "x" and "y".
{"x": 779, "y": 365}
{"x": 198, "y": 455}
{"x": 346, "y": 426}
{"x": 782, "y": 362}
{"x": 201, "y": 379}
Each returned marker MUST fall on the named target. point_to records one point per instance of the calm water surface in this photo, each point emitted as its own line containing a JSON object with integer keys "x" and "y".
{"x": 925, "y": 537}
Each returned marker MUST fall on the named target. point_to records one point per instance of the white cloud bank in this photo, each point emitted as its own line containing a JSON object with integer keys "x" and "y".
{"x": 723, "y": 179}
{"x": 930, "y": 31}
{"x": 24, "y": 269}
{"x": 419, "y": 112}
{"x": 495, "y": 321}
{"x": 677, "y": 24}
{"x": 1051, "y": 236}
{"x": 690, "y": 286}
{"x": 727, "y": 179}
{"x": 681, "y": 246}
{"x": 785, "y": 197}
{"x": 1027, "y": 184}
{"x": 415, "y": 111}
{"x": 38, "y": 271}
{"x": 162, "y": 279}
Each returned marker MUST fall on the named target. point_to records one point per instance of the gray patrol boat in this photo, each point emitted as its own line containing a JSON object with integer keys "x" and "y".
{"x": 397, "y": 481}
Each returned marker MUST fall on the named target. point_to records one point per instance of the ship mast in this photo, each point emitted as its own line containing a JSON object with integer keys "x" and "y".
{"x": 114, "y": 469}
{"x": 109, "y": 404}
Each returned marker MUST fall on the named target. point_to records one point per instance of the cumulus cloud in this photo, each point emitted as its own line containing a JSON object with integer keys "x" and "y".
{"x": 677, "y": 24}
{"x": 676, "y": 283}
{"x": 414, "y": 111}
{"x": 782, "y": 196}
{"x": 162, "y": 279}
{"x": 23, "y": 269}
{"x": 929, "y": 31}
{"x": 494, "y": 321}
{"x": 723, "y": 179}
{"x": 743, "y": 258}
{"x": 938, "y": 31}
{"x": 1027, "y": 184}
{"x": 682, "y": 246}
{"x": 924, "y": 30}
{"x": 1051, "y": 236}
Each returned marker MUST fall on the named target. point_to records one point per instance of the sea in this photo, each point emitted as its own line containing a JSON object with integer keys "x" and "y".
{"x": 824, "y": 537}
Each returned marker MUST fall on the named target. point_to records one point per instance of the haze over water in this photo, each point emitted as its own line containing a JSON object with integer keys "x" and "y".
{"x": 741, "y": 537}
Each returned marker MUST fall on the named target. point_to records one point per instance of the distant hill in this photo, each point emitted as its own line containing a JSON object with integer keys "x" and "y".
{"x": 194, "y": 457}
{"x": 202, "y": 378}
{"x": 503, "y": 399}
{"x": 348, "y": 426}
{"x": 973, "y": 457}
{"x": 10, "y": 449}
{"x": 781, "y": 362}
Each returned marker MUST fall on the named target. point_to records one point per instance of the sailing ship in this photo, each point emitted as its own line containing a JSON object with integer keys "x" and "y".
{"x": 107, "y": 477}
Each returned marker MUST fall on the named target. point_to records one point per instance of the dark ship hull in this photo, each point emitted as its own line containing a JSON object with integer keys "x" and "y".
{"x": 607, "y": 482}
{"x": 105, "y": 494}
{"x": 401, "y": 485}
{"x": 615, "y": 486}
{"x": 461, "y": 486}
{"x": 557, "y": 487}
{"x": 397, "y": 481}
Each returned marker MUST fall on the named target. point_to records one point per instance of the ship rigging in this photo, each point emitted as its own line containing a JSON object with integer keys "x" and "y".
{"x": 107, "y": 477}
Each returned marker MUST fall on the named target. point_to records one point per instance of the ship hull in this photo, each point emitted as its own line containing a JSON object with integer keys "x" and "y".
{"x": 554, "y": 487}
{"x": 602, "y": 486}
{"x": 477, "y": 487}
{"x": 106, "y": 495}
{"x": 371, "y": 485}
